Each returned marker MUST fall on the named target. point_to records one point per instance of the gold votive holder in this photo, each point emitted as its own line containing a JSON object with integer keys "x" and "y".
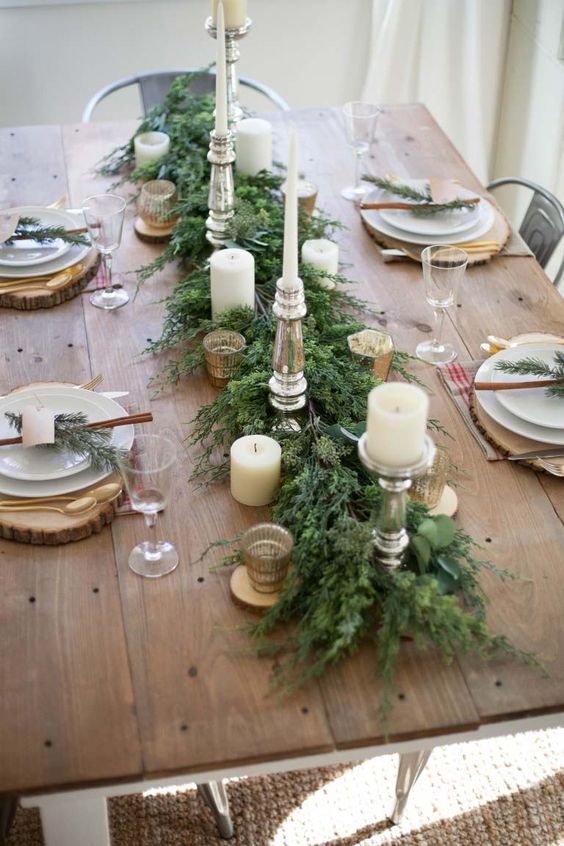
{"x": 307, "y": 194}
{"x": 428, "y": 489}
{"x": 223, "y": 351}
{"x": 157, "y": 202}
{"x": 267, "y": 549}
{"x": 376, "y": 347}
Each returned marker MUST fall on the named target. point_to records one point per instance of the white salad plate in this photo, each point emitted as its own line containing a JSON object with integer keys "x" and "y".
{"x": 28, "y": 252}
{"x": 39, "y": 464}
{"x": 532, "y": 405}
{"x": 438, "y": 223}
{"x": 374, "y": 218}
{"x": 72, "y": 255}
{"x": 490, "y": 402}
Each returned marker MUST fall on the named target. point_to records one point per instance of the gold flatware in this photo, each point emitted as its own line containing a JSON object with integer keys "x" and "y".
{"x": 524, "y": 340}
{"x": 58, "y": 204}
{"x": 92, "y": 383}
{"x": 127, "y": 420}
{"x": 102, "y": 494}
{"x": 68, "y": 272}
{"x": 52, "y": 285}
{"x": 72, "y": 509}
{"x": 516, "y": 386}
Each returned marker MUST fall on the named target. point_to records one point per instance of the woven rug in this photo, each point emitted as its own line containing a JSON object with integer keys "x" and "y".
{"x": 504, "y": 792}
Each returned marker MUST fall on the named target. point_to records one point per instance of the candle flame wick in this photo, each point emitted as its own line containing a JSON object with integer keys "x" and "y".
{"x": 255, "y": 446}
{"x": 398, "y": 409}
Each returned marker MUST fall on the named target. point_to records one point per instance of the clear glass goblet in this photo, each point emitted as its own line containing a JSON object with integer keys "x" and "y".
{"x": 443, "y": 268}
{"x": 104, "y": 216}
{"x": 360, "y": 123}
{"x": 147, "y": 471}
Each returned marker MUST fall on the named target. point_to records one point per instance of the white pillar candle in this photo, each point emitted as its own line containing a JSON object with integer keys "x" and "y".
{"x": 396, "y": 424}
{"x": 232, "y": 276}
{"x": 324, "y": 255}
{"x": 255, "y": 469}
{"x": 235, "y": 12}
{"x": 254, "y": 146}
{"x": 221, "y": 126}
{"x": 150, "y": 147}
{"x": 290, "y": 263}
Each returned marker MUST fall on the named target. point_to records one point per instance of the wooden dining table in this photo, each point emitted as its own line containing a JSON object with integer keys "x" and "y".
{"x": 110, "y": 682}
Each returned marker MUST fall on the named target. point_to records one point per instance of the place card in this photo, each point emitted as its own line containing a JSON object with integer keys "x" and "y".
{"x": 38, "y": 425}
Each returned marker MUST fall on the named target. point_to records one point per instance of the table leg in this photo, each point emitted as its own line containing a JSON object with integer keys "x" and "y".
{"x": 8, "y": 805}
{"x": 215, "y": 795}
{"x": 411, "y": 765}
{"x": 72, "y": 819}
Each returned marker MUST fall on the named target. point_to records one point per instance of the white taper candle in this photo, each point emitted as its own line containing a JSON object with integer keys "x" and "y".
{"x": 221, "y": 125}
{"x": 290, "y": 262}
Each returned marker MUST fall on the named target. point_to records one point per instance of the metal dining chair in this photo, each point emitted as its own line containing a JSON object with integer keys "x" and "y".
{"x": 543, "y": 224}
{"x": 154, "y": 86}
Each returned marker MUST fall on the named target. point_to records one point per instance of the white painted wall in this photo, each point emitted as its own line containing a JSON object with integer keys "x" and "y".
{"x": 531, "y": 131}
{"x": 53, "y": 57}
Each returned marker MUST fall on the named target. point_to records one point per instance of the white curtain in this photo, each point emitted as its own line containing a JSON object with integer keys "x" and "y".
{"x": 449, "y": 55}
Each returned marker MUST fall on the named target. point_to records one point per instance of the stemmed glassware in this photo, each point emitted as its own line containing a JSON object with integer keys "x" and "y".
{"x": 443, "y": 268}
{"x": 148, "y": 474}
{"x": 360, "y": 123}
{"x": 104, "y": 215}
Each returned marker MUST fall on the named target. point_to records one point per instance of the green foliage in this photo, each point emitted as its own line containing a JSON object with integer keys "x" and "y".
{"x": 30, "y": 227}
{"x": 335, "y": 595}
{"x": 72, "y": 436}
{"x": 536, "y": 367}
{"x": 407, "y": 192}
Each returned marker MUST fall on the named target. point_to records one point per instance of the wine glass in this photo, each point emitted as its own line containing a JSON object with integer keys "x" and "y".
{"x": 147, "y": 471}
{"x": 104, "y": 215}
{"x": 360, "y": 123}
{"x": 443, "y": 268}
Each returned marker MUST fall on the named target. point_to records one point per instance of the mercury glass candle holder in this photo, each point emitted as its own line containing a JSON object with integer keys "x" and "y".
{"x": 429, "y": 488}
{"x": 374, "y": 346}
{"x": 157, "y": 202}
{"x": 267, "y": 549}
{"x": 223, "y": 351}
{"x": 307, "y": 194}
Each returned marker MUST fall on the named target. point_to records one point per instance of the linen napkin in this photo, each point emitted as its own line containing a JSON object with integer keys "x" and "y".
{"x": 458, "y": 378}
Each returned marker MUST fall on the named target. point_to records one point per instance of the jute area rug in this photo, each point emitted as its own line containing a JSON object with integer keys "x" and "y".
{"x": 506, "y": 792}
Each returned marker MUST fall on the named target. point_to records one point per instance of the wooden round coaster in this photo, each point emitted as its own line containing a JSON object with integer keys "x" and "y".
{"x": 243, "y": 593}
{"x": 49, "y": 528}
{"x": 448, "y": 503}
{"x": 499, "y": 231}
{"x": 506, "y": 442}
{"x": 34, "y": 298}
{"x": 152, "y": 234}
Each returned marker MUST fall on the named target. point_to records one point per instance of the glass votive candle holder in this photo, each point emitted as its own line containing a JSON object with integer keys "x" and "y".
{"x": 307, "y": 194}
{"x": 223, "y": 351}
{"x": 376, "y": 347}
{"x": 429, "y": 488}
{"x": 267, "y": 549}
{"x": 157, "y": 202}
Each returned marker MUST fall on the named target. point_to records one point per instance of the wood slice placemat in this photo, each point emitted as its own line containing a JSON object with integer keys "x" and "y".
{"x": 499, "y": 231}
{"x": 508, "y": 443}
{"x": 35, "y": 298}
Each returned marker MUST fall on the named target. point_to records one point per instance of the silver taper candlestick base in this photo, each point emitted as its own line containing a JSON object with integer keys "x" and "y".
{"x": 390, "y": 535}
{"x": 232, "y": 54}
{"x": 221, "y": 200}
{"x": 288, "y": 385}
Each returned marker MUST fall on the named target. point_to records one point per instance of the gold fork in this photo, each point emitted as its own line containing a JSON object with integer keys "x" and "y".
{"x": 92, "y": 383}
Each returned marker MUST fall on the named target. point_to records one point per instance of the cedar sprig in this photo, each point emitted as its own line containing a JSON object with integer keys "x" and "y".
{"x": 536, "y": 367}
{"x": 399, "y": 189}
{"x": 30, "y": 227}
{"x": 71, "y": 435}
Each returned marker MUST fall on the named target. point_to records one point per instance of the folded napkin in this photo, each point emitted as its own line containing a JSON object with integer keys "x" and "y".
{"x": 458, "y": 378}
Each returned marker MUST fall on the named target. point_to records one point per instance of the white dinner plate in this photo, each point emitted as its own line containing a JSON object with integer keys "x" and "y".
{"x": 74, "y": 254}
{"x": 374, "y": 218}
{"x": 532, "y": 405}
{"x": 490, "y": 403}
{"x": 29, "y": 252}
{"x": 438, "y": 223}
{"x": 37, "y": 464}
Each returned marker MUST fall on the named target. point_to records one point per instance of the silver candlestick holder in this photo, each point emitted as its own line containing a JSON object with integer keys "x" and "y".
{"x": 232, "y": 55}
{"x": 221, "y": 199}
{"x": 390, "y": 535}
{"x": 288, "y": 385}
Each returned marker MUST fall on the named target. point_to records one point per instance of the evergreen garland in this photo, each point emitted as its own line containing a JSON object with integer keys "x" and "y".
{"x": 335, "y": 595}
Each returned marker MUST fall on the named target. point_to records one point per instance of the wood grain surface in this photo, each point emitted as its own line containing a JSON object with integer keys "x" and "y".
{"x": 154, "y": 676}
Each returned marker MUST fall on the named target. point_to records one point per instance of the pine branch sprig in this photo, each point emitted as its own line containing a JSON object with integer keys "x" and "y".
{"x": 537, "y": 367}
{"x": 71, "y": 435}
{"x": 30, "y": 227}
{"x": 407, "y": 192}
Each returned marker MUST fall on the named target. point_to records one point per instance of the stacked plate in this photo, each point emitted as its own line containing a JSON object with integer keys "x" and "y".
{"x": 526, "y": 412}
{"x": 457, "y": 226}
{"x": 29, "y": 258}
{"x": 42, "y": 472}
